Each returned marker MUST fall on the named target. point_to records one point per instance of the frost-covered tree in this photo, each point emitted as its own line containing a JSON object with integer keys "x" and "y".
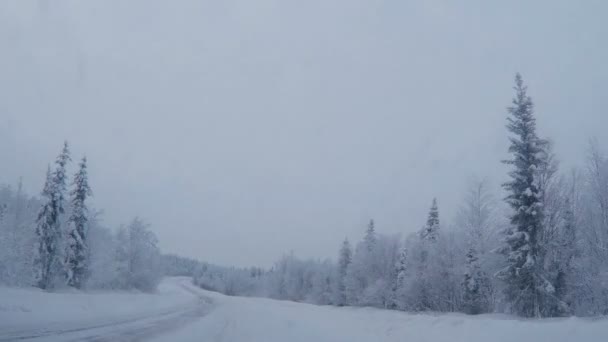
{"x": 370, "y": 236}
{"x": 430, "y": 232}
{"x": 300, "y": 280}
{"x": 478, "y": 222}
{"x": 360, "y": 269}
{"x": 527, "y": 289}
{"x": 386, "y": 257}
{"x": 76, "y": 252}
{"x": 551, "y": 190}
{"x": 47, "y": 262}
{"x": 566, "y": 251}
{"x": 175, "y": 265}
{"x": 16, "y": 235}
{"x": 137, "y": 257}
{"x": 589, "y": 204}
{"x": 400, "y": 280}
{"x": 426, "y": 257}
{"x": 477, "y": 217}
{"x": 344, "y": 259}
{"x": 476, "y": 286}
{"x": 597, "y": 201}
{"x": 368, "y": 278}
{"x": 321, "y": 283}
{"x": 102, "y": 257}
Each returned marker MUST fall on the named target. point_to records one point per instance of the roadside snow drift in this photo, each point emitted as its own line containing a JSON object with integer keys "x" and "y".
{"x": 29, "y": 313}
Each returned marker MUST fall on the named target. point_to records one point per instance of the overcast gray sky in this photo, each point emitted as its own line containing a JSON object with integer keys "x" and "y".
{"x": 243, "y": 129}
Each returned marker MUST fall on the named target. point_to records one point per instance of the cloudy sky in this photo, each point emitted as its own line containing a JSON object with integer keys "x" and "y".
{"x": 243, "y": 129}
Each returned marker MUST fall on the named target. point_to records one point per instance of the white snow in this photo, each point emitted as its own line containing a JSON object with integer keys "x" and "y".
{"x": 27, "y": 311}
{"x": 238, "y": 319}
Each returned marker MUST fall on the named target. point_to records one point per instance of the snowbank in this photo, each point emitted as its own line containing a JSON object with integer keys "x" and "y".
{"x": 33, "y": 309}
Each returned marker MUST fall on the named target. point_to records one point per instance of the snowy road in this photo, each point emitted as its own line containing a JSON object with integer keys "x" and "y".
{"x": 237, "y": 319}
{"x": 182, "y": 312}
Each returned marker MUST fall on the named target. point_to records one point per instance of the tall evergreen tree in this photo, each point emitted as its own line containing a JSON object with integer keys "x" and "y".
{"x": 426, "y": 255}
{"x": 46, "y": 239}
{"x": 401, "y": 266}
{"x": 370, "y": 236}
{"x": 527, "y": 289}
{"x": 344, "y": 259}
{"x": 76, "y": 253}
{"x": 47, "y": 263}
{"x": 430, "y": 232}
{"x": 399, "y": 282}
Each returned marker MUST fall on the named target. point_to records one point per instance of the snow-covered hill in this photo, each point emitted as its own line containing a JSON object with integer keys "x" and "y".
{"x": 182, "y": 312}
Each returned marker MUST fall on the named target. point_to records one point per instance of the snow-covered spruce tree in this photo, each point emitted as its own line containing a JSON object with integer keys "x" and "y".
{"x": 385, "y": 258}
{"x": 364, "y": 271}
{"x": 344, "y": 259}
{"x": 76, "y": 252}
{"x": 370, "y": 236}
{"x": 359, "y": 270}
{"x": 476, "y": 286}
{"x": 400, "y": 278}
{"x": 430, "y": 232}
{"x": 527, "y": 290}
{"x": 565, "y": 247}
{"x": 321, "y": 282}
{"x": 421, "y": 289}
{"x": 47, "y": 262}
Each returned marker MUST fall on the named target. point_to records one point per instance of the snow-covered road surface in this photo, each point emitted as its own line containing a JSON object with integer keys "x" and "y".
{"x": 32, "y": 315}
{"x": 182, "y": 312}
{"x": 237, "y": 319}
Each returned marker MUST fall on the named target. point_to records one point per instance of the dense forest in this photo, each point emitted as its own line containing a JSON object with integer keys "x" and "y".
{"x": 538, "y": 250}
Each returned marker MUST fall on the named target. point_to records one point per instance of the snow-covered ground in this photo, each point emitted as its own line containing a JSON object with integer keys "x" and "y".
{"x": 238, "y": 319}
{"x": 33, "y": 314}
{"x": 181, "y": 312}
